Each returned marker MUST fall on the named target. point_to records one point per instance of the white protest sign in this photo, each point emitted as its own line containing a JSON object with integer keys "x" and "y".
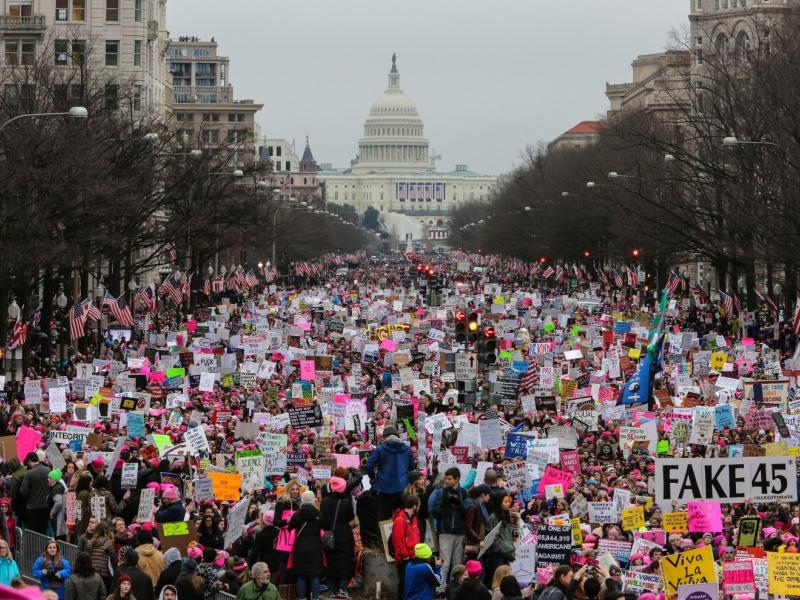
{"x": 197, "y": 441}
{"x": 206, "y": 382}
{"x": 130, "y": 474}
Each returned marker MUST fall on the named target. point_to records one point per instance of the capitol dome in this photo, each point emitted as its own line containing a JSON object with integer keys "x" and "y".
{"x": 393, "y": 139}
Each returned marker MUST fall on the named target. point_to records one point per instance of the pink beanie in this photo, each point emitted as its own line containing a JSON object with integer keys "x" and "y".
{"x": 338, "y": 485}
{"x": 169, "y": 492}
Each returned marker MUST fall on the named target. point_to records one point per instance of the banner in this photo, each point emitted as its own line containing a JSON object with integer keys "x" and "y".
{"x": 688, "y": 568}
{"x": 760, "y": 479}
{"x": 739, "y": 577}
{"x": 784, "y": 573}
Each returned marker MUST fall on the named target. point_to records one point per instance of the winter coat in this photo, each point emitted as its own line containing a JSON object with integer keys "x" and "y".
{"x": 151, "y": 561}
{"x": 422, "y": 579}
{"x": 281, "y": 507}
{"x": 504, "y": 542}
{"x": 475, "y": 521}
{"x": 57, "y": 510}
{"x": 141, "y": 585}
{"x": 388, "y": 466}
{"x": 171, "y": 513}
{"x": 342, "y": 559}
{"x": 8, "y": 570}
{"x": 307, "y": 556}
{"x": 35, "y": 488}
{"x": 447, "y": 507}
{"x": 46, "y": 571}
{"x": 249, "y": 591}
{"x": 263, "y": 549}
{"x": 210, "y": 575}
{"x": 168, "y": 576}
{"x": 472, "y": 589}
{"x": 405, "y": 535}
{"x": 101, "y": 550}
{"x": 86, "y": 588}
{"x": 113, "y": 508}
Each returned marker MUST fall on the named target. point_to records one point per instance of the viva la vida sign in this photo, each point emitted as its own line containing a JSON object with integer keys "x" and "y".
{"x": 761, "y": 479}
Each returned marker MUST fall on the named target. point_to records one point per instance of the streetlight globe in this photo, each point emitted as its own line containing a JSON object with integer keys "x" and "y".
{"x": 78, "y": 112}
{"x": 528, "y": 209}
{"x": 590, "y": 184}
{"x": 61, "y": 300}
{"x": 13, "y": 310}
{"x": 196, "y": 153}
{"x": 260, "y": 265}
{"x": 238, "y": 173}
{"x": 613, "y": 175}
{"x": 100, "y": 290}
{"x": 565, "y": 194}
{"x": 150, "y": 137}
{"x": 132, "y": 285}
{"x": 730, "y": 141}
{"x": 669, "y": 158}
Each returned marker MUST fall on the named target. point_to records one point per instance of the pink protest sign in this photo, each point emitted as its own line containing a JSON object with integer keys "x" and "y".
{"x": 27, "y": 441}
{"x": 157, "y": 377}
{"x": 191, "y": 325}
{"x": 704, "y": 516}
{"x": 341, "y": 398}
{"x": 347, "y": 460}
{"x": 388, "y": 345}
{"x": 657, "y": 536}
{"x": 571, "y": 461}
{"x": 552, "y": 476}
{"x": 308, "y": 370}
{"x": 739, "y": 577}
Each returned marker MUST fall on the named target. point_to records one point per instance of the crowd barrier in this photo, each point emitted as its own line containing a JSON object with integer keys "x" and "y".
{"x": 30, "y": 546}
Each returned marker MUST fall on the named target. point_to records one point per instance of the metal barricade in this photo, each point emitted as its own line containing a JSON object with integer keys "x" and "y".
{"x": 31, "y": 545}
{"x": 224, "y": 596}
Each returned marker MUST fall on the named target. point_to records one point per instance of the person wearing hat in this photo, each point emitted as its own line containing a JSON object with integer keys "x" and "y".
{"x": 472, "y": 587}
{"x": 172, "y": 564}
{"x": 189, "y": 584}
{"x": 476, "y": 518}
{"x": 388, "y": 467}
{"x": 141, "y": 582}
{"x": 36, "y": 492}
{"x": 423, "y": 574}
{"x": 405, "y": 537}
{"x": 171, "y": 509}
{"x": 57, "y": 511}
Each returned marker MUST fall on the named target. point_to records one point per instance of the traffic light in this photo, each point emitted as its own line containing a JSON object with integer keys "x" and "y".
{"x": 472, "y": 327}
{"x": 461, "y": 326}
{"x": 487, "y": 346}
{"x": 635, "y": 253}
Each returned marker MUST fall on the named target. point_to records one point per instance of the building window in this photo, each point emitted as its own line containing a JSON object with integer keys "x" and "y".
{"x": 20, "y": 8}
{"x": 288, "y": 165}
{"x": 70, "y": 10}
{"x": 62, "y": 51}
{"x": 112, "y": 10}
{"x": 137, "y": 53}
{"x": 137, "y": 11}
{"x": 137, "y": 97}
{"x": 210, "y": 136}
{"x": 112, "y": 53}
{"x": 743, "y": 47}
{"x": 111, "y": 96}
{"x": 20, "y": 52}
{"x": 698, "y": 4}
{"x": 278, "y": 150}
{"x": 269, "y": 150}
{"x": 278, "y": 166}
{"x": 78, "y": 52}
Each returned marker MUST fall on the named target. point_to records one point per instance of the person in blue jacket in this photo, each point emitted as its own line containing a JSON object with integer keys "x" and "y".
{"x": 9, "y": 570}
{"x": 422, "y": 577}
{"x": 171, "y": 509}
{"x": 52, "y": 570}
{"x": 388, "y": 467}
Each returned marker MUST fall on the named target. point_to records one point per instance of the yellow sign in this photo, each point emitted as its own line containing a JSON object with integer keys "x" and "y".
{"x": 633, "y": 518}
{"x": 385, "y": 332}
{"x": 776, "y": 448}
{"x": 177, "y": 528}
{"x": 687, "y": 568}
{"x": 784, "y": 573}
{"x": 226, "y": 486}
{"x": 577, "y": 534}
{"x": 718, "y": 360}
{"x": 634, "y": 352}
{"x": 675, "y": 521}
{"x": 568, "y": 388}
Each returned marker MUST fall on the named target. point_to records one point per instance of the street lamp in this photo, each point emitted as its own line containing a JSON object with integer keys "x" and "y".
{"x": 150, "y": 137}
{"x": 730, "y": 141}
{"x": 100, "y": 290}
{"x": 615, "y": 175}
{"x": 61, "y": 300}
{"x": 13, "y": 310}
{"x": 590, "y": 184}
{"x": 669, "y": 158}
{"x": 76, "y": 112}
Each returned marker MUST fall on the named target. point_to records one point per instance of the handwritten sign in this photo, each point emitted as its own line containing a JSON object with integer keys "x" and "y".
{"x": 692, "y": 567}
{"x": 226, "y": 486}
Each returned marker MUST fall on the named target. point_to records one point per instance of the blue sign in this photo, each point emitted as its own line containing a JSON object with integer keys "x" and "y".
{"x": 622, "y": 327}
{"x": 135, "y": 424}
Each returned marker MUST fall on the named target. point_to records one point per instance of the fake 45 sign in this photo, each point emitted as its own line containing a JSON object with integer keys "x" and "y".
{"x": 761, "y": 479}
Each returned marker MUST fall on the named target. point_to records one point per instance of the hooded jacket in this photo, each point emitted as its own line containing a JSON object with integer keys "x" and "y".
{"x": 151, "y": 561}
{"x": 172, "y": 561}
{"x": 161, "y": 593}
{"x": 388, "y": 466}
{"x": 86, "y": 588}
{"x": 170, "y": 513}
{"x": 57, "y": 510}
{"x": 422, "y": 579}
{"x": 8, "y": 570}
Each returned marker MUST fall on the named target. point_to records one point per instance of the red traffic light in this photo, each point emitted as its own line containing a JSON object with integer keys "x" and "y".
{"x": 460, "y": 315}
{"x": 636, "y": 252}
{"x": 542, "y": 260}
{"x": 586, "y": 253}
{"x": 419, "y": 267}
{"x": 488, "y": 332}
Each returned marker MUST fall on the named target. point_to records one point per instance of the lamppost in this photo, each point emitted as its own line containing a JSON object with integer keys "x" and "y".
{"x": 76, "y": 112}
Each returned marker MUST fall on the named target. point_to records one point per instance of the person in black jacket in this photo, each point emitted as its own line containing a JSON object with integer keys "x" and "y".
{"x": 337, "y": 514}
{"x": 263, "y": 549}
{"x": 36, "y": 491}
{"x": 307, "y": 559}
{"x": 142, "y": 584}
{"x": 172, "y": 562}
{"x": 448, "y": 508}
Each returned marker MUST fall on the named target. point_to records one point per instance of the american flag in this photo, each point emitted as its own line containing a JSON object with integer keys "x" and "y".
{"x": 700, "y": 297}
{"x": 617, "y": 279}
{"x": 548, "y": 272}
{"x": 737, "y": 304}
{"x": 120, "y": 309}
{"x": 207, "y": 287}
{"x": 535, "y": 270}
{"x": 270, "y": 274}
{"x": 796, "y": 320}
{"x": 186, "y": 285}
{"x": 92, "y": 312}
{"x": 146, "y": 298}
{"x": 169, "y": 250}
{"x": 765, "y": 299}
{"x": 251, "y": 279}
{"x": 633, "y": 277}
{"x": 19, "y": 334}
{"x": 673, "y": 281}
{"x": 171, "y": 288}
{"x": 601, "y": 276}
{"x": 559, "y": 273}
{"x": 232, "y": 284}
{"x": 530, "y": 377}
{"x": 727, "y": 303}
{"x": 218, "y": 284}
{"x": 77, "y": 322}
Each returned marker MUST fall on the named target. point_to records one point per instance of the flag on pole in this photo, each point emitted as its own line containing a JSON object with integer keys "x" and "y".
{"x": 146, "y": 298}
{"x": 633, "y": 277}
{"x": 673, "y": 281}
{"x": 171, "y": 288}
{"x": 92, "y": 312}
{"x": 119, "y": 309}
{"x": 767, "y": 301}
{"x": 700, "y": 297}
{"x": 618, "y": 279}
{"x": 548, "y": 272}
{"x": 207, "y": 287}
{"x": 20, "y": 332}
{"x": 77, "y": 322}
{"x": 726, "y": 301}
{"x": 796, "y": 319}
{"x": 169, "y": 250}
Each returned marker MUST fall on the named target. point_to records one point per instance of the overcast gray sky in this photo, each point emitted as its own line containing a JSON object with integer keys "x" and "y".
{"x": 488, "y": 77}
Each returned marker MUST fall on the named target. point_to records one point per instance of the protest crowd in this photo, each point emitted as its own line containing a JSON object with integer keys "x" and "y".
{"x": 462, "y": 427}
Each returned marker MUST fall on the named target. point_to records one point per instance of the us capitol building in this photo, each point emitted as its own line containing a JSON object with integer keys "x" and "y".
{"x": 395, "y": 173}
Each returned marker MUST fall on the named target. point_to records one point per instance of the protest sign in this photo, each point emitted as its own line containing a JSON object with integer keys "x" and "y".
{"x": 738, "y": 577}
{"x": 633, "y": 518}
{"x": 765, "y": 479}
{"x": 203, "y": 489}
{"x": 491, "y": 433}
{"x": 524, "y": 565}
{"x": 749, "y": 530}
{"x": 196, "y": 440}
{"x": 147, "y": 498}
{"x": 130, "y": 473}
{"x": 675, "y": 521}
{"x": 687, "y": 568}
{"x": 226, "y": 486}
{"x": 642, "y": 583}
{"x": 250, "y": 465}
{"x": 603, "y": 512}
{"x": 704, "y": 516}
{"x": 553, "y": 545}
{"x": 784, "y": 573}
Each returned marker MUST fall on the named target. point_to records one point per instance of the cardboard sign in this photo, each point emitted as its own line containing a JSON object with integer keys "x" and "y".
{"x": 633, "y": 518}
{"x": 675, "y": 521}
{"x": 705, "y": 516}
{"x": 784, "y": 573}
{"x": 226, "y": 486}
{"x": 176, "y": 535}
{"x": 554, "y": 545}
{"x": 688, "y": 568}
{"x": 146, "y": 505}
{"x": 738, "y": 577}
{"x": 749, "y": 530}
{"x": 130, "y": 474}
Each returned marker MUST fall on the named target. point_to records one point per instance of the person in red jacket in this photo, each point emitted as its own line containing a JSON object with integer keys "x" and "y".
{"x": 405, "y": 535}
